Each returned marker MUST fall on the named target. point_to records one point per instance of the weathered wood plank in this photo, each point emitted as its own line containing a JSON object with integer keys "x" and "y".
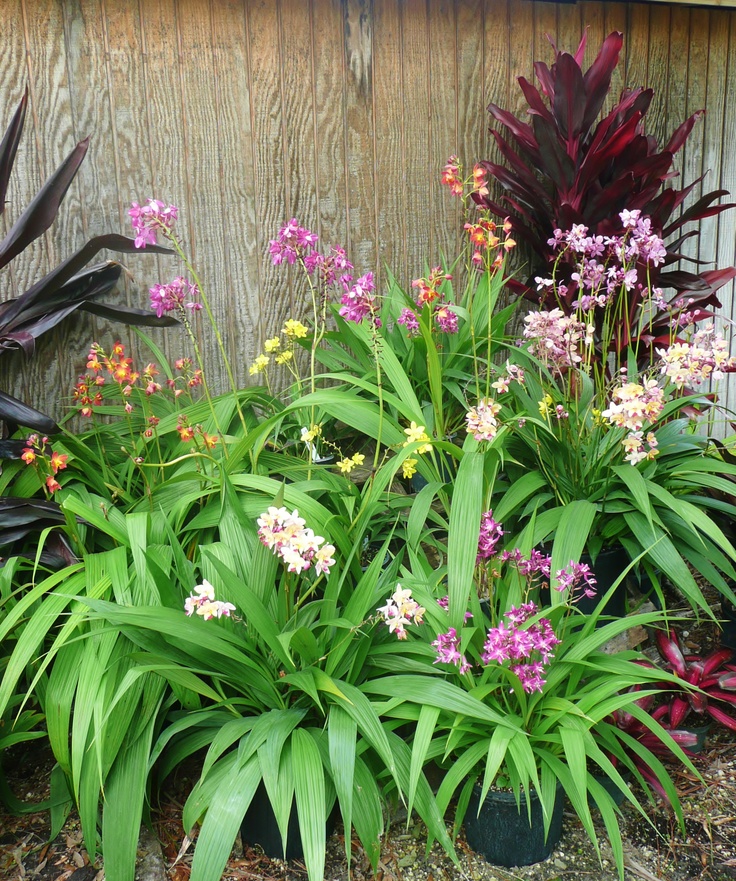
{"x": 360, "y": 142}
{"x": 472, "y": 119}
{"x": 50, "y": 123}
{"x": 299, "y": 131}
{"x": 268, "y": 132}
{"x": 238, "y": 310}
{"x": 636, "y": 46}
{"x": 659, "y": 44}
{"x": 201, "y": 138}
{"x": 443, "y": 134}
{"x": 25, "y": 178}
{"x": 715, "y": 102}
{"x": 696, "y": 90}
{"x": 164, "y": 152}
{"x": 91, "y": 108}
{"x": 328, "y": 98}
{"x": 391, "y": 204}
{"x": 417, "y": 110}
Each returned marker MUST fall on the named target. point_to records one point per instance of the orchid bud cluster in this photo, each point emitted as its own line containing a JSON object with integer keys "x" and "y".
{"x": 118, "y": 368}
{"x": 149, "y": 219}
{"x": 297, "y": 244}
{"x": 281, "y": 350}
{"x": 428, "y": 292}
{"x": 39, "y": 455}
{"x": 176, "y": 296}
{"x": 530, "y": 645}
{"x": 705, "y": 357}
{"x": 203, "y": 602}
{"x": 632, "y": 404}
{"x": 288, "y": 536}
{"x": 400, "y": 611}
{"x": 415, "y": 434}
{"x": 558, "y": 340}
{"x": 481, "y": 420}
{"x": 605, "y": 265}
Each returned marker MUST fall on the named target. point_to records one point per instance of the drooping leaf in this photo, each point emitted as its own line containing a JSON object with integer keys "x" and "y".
{"x": 9, "y": 146}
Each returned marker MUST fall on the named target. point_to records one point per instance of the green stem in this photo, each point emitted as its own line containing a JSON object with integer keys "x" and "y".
{"x": 205, "y": 302}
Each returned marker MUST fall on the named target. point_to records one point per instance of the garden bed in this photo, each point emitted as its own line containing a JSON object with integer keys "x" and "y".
{"x": 708, "y": 852}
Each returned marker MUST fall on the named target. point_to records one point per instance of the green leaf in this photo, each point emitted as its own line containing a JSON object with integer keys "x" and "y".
{"x": 638, "y": 487}
{"x": 309, "y": 789}
{"x": 462, "y": 545}
{"x": 423, "y": 734}
{"x": 125, "y": 788}
{"x": 232, "y": 795}
{"x": 570, "y": 538}
{"x": 342, "y": 732}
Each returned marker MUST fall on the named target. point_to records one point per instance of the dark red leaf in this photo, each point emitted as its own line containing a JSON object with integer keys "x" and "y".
{"x": 569, "y": 99}
{"x": 20, "y": 512}
{"x": 546, "y": 81}
{"x": 716, "y": 660}
{"x": 15, "y": 412}
{"x": 683, "y": 281}
{"x": 682, "y": 132}
{"x": 9, "y": 147}
{"x": 668, "y": 645}
{"x": 597, "y": 78}
{"x": 520, "y": 130}
{"x": 722, "y": 717}
{"x": 518, "y": 165}
{"x": 66, "y": 270}
{"x": 129, "y": 315}
{"x": 42, "y": 211}
{"x": 553, "y": 158}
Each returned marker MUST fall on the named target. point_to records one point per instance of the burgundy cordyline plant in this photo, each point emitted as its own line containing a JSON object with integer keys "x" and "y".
{"x": 580, "y": 190}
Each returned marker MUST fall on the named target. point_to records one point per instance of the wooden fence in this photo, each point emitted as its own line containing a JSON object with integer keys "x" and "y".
{"x": 338, "y": 112}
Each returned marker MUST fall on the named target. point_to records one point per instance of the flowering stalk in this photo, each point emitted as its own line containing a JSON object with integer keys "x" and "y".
{"x": 295, "y": 244}
{"x": 288, "y": 536}
{"x": 147, "y": 221}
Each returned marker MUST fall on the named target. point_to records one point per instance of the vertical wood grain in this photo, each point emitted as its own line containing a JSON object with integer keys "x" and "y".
{"x": 163, "y": 154}
{"x": 341, "y": 112}
{"x": 268, "y": 135}
{"x": 443, "y": 134}
{"x": 696, "y": 90}
{"x": 417, "y": 134}
{"x": 237, "y": 220}
{"x": 50, "y": 124}
{"x": 13, "y": 80}
{"x": 388, "y": 107}
{"x": 328, "y": 98}
{"x": 360, "y": 141}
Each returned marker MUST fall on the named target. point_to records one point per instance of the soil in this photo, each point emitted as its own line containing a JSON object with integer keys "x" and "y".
{"x": 707, "y": 852}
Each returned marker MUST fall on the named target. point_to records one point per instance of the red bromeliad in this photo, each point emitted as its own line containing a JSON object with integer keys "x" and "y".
{"x": 714, "y": 680}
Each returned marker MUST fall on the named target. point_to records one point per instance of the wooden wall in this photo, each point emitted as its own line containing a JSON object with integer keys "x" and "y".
{"x": 338, "y": 112}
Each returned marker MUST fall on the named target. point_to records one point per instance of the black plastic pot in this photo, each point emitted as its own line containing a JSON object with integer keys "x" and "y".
{"x": 607, "y": 568}
{"x": 502, "y": 833}
{"x": 259, "y": 827}
{"x": 611, "y": 787}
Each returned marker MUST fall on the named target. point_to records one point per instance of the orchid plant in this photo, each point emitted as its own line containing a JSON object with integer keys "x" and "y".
{"x": 521, "y": 695}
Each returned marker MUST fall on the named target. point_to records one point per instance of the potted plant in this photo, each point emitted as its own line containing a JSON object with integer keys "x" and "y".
{"x": 541, "y": 670}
